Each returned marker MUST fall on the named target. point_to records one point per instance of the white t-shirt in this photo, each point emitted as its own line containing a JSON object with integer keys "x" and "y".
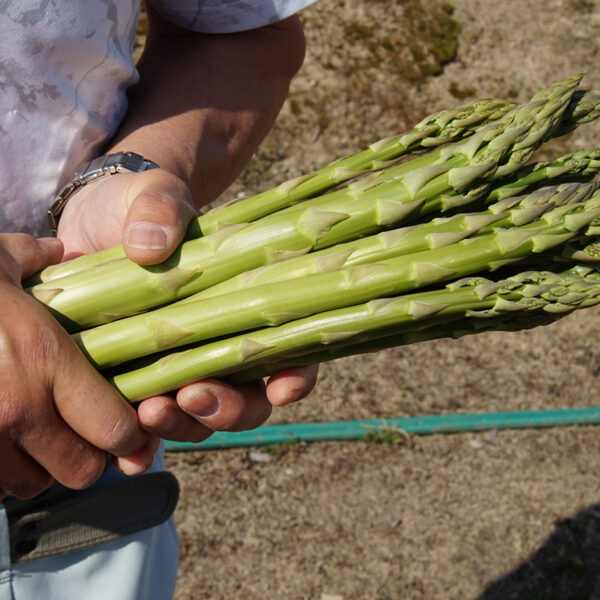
{"x": 64, "y": 71}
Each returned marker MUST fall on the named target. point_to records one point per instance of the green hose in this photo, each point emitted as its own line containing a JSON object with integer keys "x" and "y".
{"x": 345, "y": 430}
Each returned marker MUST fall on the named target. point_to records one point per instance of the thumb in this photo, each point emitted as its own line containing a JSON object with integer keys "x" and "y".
{"x": 158, "y": 216}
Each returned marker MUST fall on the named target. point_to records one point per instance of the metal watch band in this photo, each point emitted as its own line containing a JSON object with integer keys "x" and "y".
{"x": 108, "y": 164}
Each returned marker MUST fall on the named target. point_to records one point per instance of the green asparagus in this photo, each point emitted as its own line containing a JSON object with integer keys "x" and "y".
{"x": 275, "y": 303}
{"x": 402, "y": 252}
{"x": 435, "y": 130}
{"x": 542, "y": 291}
{"x": 498, "y": 149}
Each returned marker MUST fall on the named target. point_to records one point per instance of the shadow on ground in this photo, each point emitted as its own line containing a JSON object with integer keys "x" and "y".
{"x": 566, "y": 567}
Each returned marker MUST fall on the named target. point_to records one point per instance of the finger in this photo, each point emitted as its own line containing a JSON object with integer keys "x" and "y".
{"x": 29, "y": 417}
{"x": 21, "y": 476}
{"x": 26, "y": 255}
{"x": 92, "y": 407}
{"x": 223, "y": 407}
{"x": 157, "y": 218}
{"x": 73, "y": 461}
{"x": 139, "y": 461}
{"x": 163, "y": 417}
{"x": 292, "y": 385}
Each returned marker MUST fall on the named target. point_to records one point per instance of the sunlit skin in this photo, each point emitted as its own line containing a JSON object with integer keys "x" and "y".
{"x": 202, "y": 106}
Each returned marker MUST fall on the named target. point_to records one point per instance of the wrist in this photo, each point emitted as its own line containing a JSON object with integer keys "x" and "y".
{"x": 92, "y": 171}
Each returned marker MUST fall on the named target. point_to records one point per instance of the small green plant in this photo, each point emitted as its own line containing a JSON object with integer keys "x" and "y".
{"x": 279, "y": 447}
{"x": 388, "y": 437}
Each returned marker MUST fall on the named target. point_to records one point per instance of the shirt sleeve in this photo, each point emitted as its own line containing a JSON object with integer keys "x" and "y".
{"x": 227, "y": 16}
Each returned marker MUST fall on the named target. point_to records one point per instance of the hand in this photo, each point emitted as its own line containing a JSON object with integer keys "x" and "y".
{"x": 148, "y": 213}
{"x": 58, "y": 416}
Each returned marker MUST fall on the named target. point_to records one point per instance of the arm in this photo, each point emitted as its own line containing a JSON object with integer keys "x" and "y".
{"x": 203, "y": 104}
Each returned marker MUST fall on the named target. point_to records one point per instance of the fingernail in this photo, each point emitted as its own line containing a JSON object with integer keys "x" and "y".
{"x": 204, "y": 404}
{"x": 129, "y": 466}
{"x": 147, "y": 236}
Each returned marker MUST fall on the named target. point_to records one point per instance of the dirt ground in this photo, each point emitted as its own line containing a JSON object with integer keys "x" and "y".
{"x": 489, "y": 516}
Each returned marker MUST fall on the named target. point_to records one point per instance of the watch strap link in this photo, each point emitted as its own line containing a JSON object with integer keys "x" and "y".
{"x": 108, "y": 164}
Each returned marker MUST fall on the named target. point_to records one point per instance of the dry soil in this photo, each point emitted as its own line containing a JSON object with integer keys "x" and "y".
{"x": 487, "y": 516}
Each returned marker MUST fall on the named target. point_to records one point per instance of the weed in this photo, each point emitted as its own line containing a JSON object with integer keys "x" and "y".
{"x": 388, "y": 437}
{"x": 279, "y": 447}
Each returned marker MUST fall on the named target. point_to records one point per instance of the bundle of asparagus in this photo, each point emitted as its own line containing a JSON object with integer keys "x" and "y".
{"x": 400, "y": 251}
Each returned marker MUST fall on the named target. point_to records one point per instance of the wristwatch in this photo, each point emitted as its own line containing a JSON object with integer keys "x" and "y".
{"x": 108, "y": 164}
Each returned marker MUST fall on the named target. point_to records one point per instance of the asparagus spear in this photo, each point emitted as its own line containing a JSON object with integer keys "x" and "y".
{"x": 275, "y": 303}
{"x": 583, "y": 108}
{"x": 496, "y": 150}
{"x": 449, "y": 326}
{"x": 547, "y": 297}
{"x": 541, "y": 291}
{"x": 581, "y": 164}
{"x": 437, "y": 129}
{"x": 510, "y": 212}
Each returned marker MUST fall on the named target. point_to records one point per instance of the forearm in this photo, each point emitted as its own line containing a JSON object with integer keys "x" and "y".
{"x": 202, "y": 106}
{"x": 205, "y": 102}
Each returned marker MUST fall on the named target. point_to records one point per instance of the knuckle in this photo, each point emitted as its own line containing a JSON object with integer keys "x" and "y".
{"x": 165, "y": 193}
{"x": 9, "y": 241}
{"x": 14, "y": 419}
{"x": 17, "y": 413}
{"x": 40, "y": 349}
{"x": 9, "y": 269}
{"x": 116, "y": 436}
{"x": 85, "y": 471}
{"x": 15, "y": 248}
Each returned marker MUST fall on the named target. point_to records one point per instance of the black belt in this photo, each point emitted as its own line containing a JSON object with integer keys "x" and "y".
{"x": 62, "y": 520}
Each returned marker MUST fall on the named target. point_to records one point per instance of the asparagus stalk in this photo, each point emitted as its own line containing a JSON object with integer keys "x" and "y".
{"x": 435, "y": 130}
{"x": 510, "y": 212}
{"x": 583, "y": 108}
{"x": 276, "y": 303}
{"x": 496, "y": 150}
{"x": 549, "y": 292}
{"x": 452, "y": 326}
{"x": 439, "y": 128}
{"x": 581, "y": 249}
{"x": 581, "y": 164}
{"x": 557, "y": 296}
